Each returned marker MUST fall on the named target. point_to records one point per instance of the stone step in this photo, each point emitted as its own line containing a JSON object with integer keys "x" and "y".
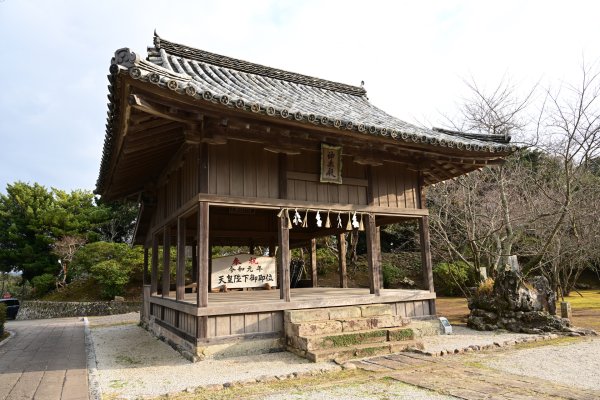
{"x": 311, "y": 328}
{"x": 327, "y": 341}
{"x": 338, "y": 340}
{"x": 358, "y": 351}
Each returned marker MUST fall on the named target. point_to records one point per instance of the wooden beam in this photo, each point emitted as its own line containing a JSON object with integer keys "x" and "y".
{"x": 426, "y": 253}
{"x": 180, "y": 276}
{"x": 373, "y": 258}
{"x": 166, "y": 274}
{"x": 154, "y": 272}
{"x": 203, "y": 256}
{"x": 342, "y": 260}
{"x": 313, "y": 261}
{"x": 141, "y": 104}
{"x": 283, "y": 237}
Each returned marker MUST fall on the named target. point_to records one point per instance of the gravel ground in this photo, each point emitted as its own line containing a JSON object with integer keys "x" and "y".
{"x": 463, "y": 337}
{"x": 131, "y": 363}
{"x": 380, "y": 390}
{"x": 574, "y": 364}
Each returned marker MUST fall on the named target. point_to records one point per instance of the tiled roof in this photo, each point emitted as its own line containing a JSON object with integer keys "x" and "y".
{"x": 278, "y": 94}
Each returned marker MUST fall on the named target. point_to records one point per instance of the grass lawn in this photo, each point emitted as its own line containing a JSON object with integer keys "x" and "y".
{"x": 586, "y": 309}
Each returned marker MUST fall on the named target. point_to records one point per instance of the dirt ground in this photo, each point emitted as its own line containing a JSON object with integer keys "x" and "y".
{"x": 585, "y": 306}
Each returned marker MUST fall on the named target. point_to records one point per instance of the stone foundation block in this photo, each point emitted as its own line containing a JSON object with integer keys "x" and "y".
{"x": 313, "y": 328}
{"x": 345, "y": 312}
{"x": 362, "y": 324}
{"x": 376, "y": 310}
{"x": 314, "y": 314}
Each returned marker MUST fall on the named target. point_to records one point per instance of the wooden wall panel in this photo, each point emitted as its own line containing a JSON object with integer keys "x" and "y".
{"x": 239, "y": 324}
{"x": 243, "y": 169}
{"x": 394, "y": 186}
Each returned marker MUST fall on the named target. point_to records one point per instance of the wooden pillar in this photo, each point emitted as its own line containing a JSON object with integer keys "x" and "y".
{"x": 426, "y": 253}
{"x": 180, "y": 276}
{"x": 313, "y": 261}
{"x": 154, "y": 271}
{"x": 203, "y": 168}
{"x": 342, "y": 260}
{"x": 145, "y": 273}
{"x": 372, "y": 256}
{"x": 283, "y": 237}
{"x": 166, "y": 275}
{"x": 203, "y": 256}
{"x": 194, "y": 264}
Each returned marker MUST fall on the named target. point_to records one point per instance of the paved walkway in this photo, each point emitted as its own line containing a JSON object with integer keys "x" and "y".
{"x": 456, "y": 378}
{"x": 46, "y": 359}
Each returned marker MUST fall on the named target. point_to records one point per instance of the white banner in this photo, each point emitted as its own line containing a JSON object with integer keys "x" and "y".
{"x": 243, "y": 271}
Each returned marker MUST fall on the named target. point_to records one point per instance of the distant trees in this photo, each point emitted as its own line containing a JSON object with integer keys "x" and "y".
{"x": 542, "y": 204}
{"x": 39, "y": 227}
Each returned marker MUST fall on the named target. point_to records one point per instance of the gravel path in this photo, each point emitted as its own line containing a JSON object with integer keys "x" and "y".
{"x": 574, "y": 364}
{"x": 463, "y": 337}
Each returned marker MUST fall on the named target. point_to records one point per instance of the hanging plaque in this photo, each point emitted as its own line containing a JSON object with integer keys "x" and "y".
{"x": 331, "y": 164}
{"x": 243, "y": 271}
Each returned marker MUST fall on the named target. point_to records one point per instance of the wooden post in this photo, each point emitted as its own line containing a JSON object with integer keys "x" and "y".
{"x": 166, "y": 274}
{"x": 313, "y": 261}
{"x": 146, "y": 307}
{"x": 195, "y": 263}
{"x": 372, "y": 256}
{"x": 154, "y": 272}
{"x": 180, "y": 276}
{"x": 203, "y": 168}
{"x": 203, "y": 257}
{"x": 342, "y": 260}
{"x": 426, "y": 253}
{"x": 283, "y": 236}
{"x": 145, "y": 273}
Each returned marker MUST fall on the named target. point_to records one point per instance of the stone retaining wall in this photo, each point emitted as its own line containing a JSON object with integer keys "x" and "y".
{"x": 60, "y": 309}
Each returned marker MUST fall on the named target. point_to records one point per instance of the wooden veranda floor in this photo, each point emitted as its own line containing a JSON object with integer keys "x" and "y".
{"x": 268, "y": 300}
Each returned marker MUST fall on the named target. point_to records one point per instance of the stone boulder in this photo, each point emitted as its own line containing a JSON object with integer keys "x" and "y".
{"x": 516, "y": 305}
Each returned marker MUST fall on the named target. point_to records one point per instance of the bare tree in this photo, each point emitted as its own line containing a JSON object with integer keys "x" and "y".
{"x": 65, "y": 249}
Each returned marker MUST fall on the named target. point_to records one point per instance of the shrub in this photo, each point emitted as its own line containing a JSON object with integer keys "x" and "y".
{"x": 43, "y": 284}
{"x": 391, "y": 275}
{"x": 112, "y": 277}
{"x": 452, "y": 279}
{"x": 93, "y": 253}
{"x": 2, "y": 319}
{"x": 486, "y": 287}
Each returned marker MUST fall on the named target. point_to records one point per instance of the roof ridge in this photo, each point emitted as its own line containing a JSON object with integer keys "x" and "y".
{"x": 479, "y": 136}
{"x": 180, "y": 50}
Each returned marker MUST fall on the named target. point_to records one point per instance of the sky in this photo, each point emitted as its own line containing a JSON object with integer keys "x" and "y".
{"x": 414, "y": 57}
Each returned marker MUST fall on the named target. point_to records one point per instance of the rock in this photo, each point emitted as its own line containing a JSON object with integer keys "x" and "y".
{"x": 349, "y": 366}
{"x": 515, "y": 305}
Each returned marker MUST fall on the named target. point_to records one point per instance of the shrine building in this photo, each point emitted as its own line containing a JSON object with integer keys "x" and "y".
{"x": 223, "y": 152}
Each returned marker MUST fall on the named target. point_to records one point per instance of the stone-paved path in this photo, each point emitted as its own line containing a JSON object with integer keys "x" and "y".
{"x": 45, "y": 359}
{"x": 456, "y": 378}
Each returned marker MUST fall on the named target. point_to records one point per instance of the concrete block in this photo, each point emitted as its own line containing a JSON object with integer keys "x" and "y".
{"x": 344, "y": 312}
{"x": 373, "y": 310}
